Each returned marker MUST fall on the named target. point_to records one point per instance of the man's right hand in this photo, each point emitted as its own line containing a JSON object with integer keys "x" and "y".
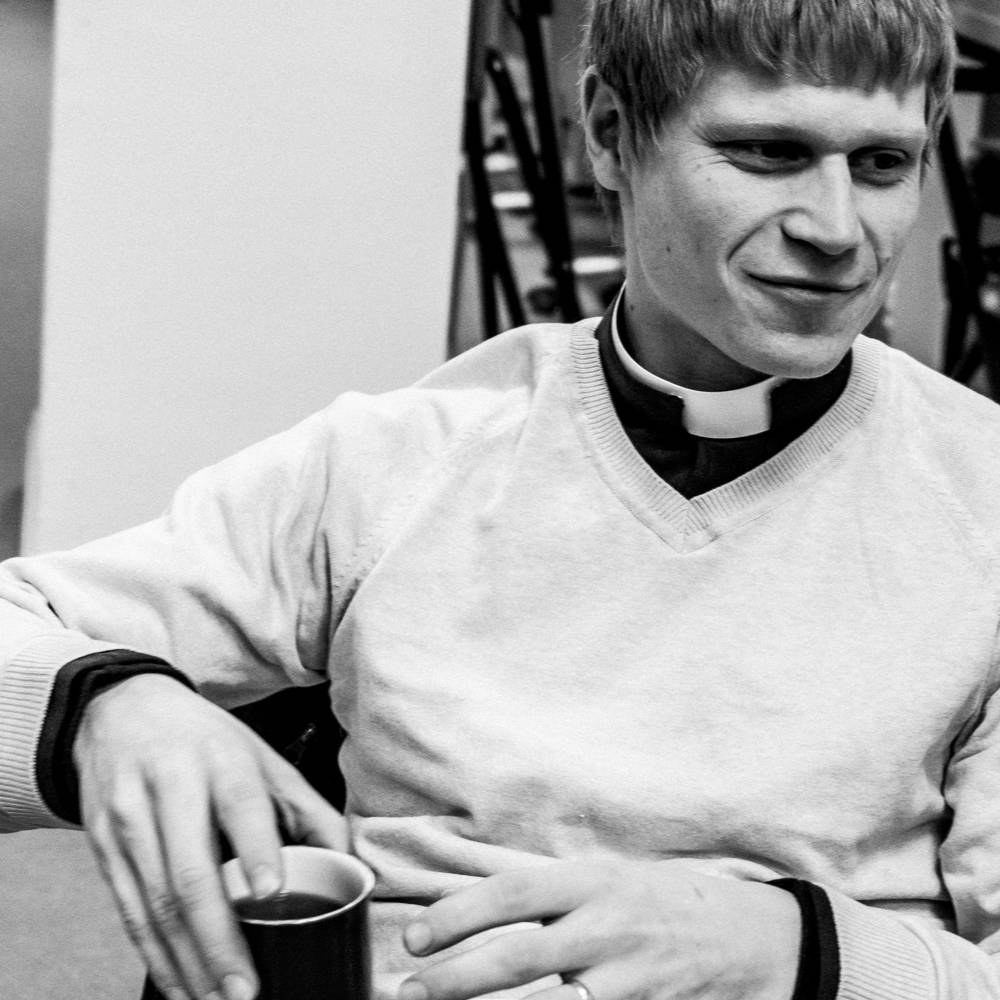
{"x": 162, "y": 773}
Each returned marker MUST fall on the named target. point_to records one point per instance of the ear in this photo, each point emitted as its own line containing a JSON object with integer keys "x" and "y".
{"x": 604, "y": 126}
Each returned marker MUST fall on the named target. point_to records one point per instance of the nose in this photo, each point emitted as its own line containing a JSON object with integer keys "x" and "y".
{"x": 824, "y": 213}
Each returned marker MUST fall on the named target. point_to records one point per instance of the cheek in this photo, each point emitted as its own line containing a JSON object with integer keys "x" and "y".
{"x": 720, "y": 218}
{"x": 696, "y": 233}
{"x": 890, "y": 225}
{"x": 686, "y": 211}
{"x": 688, "y": 232}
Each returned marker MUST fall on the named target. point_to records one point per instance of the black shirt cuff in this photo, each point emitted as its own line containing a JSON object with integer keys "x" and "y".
{"x": 819, "y": 955}
{"x": 76, "y": 684}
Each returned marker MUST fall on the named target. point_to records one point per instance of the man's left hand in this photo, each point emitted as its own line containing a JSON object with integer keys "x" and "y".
{"x": 625, "y": 930}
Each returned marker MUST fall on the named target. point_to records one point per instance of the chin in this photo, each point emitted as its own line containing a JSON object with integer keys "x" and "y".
{"x": 799, "y": 356}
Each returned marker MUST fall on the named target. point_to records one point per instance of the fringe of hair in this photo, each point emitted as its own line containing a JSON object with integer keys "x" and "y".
{"x": 654, "y": 52}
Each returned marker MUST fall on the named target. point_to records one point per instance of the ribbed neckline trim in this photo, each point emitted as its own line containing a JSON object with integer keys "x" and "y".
{"x": 638, "y": 485}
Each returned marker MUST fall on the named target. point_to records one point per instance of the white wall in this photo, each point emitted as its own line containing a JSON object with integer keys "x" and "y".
{"x": 253, "y": 208}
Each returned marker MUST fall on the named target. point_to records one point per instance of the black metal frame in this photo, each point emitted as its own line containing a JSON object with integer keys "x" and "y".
{"x": 541, "y": 169}
{"x": 972, "y": 334}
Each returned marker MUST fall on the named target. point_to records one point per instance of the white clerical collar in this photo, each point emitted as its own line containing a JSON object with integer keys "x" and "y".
{"x": 729, "y": 413}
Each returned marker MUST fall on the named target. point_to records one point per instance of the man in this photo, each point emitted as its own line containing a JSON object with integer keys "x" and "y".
{"x": 666, "y": 646}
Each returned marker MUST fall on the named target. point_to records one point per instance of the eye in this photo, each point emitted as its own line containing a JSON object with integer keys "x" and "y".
{"x": 881, "y": 167}
{"x": 766, "y": 156}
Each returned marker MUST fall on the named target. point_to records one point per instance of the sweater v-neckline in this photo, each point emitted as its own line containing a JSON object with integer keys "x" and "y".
{"x": 689, "y": 524}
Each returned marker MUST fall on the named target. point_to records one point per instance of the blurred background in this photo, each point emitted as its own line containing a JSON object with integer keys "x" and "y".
{"x": 216, "y": 217}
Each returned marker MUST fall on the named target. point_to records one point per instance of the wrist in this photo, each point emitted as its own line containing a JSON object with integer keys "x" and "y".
{"x": 780, "y": 922}
{"x": 819, "y": 958}
{"x": 116, "y": 693}
{"x": 78, "y": 684}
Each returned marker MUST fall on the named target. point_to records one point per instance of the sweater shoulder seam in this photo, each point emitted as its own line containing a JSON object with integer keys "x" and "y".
{"x": 367, "y": 550}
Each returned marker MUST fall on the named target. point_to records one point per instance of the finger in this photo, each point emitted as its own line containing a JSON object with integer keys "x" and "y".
{"x": 618, "y": 978}
{"x": 151, "y": 911}
{"x": 611, "y": 981}
{"x": 566, "y": 990}
{"x": 246, "y": 816}
{"x": 128, "y": 849}
{"x": 131, "y": 905}
{"x": 508, "y": 960}
{"x": 204, "y": 939}
{"x": 305, "y": 814}
{"x": 526, "y": 894}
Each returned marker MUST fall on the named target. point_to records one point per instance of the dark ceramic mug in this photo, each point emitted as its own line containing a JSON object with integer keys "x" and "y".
{"x": 310, "y": 941}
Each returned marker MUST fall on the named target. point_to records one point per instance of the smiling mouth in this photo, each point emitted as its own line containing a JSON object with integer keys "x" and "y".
{"x": 807, "y": 286}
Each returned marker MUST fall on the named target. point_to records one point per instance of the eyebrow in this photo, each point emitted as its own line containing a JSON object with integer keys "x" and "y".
{"x": 742, "y": 129}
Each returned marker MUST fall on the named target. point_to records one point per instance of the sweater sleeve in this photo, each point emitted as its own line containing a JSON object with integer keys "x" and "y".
{"x": 236, "y": 586}
{"x": 240, "y": 584}
{"x": 888, "y": 956}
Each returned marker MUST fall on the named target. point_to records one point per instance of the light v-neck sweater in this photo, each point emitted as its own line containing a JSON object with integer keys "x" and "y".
{"x": 540, "y": 650}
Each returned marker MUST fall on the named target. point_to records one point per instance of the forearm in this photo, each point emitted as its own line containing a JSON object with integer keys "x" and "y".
{"x": 195, "y": 589}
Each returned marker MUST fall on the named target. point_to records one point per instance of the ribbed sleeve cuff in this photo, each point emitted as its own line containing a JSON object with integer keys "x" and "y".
{"x": 819, "y": 955}
{"x": 25, "y": 689}
{"x": 880, "y": 957}
{"x": 77, "y": 683}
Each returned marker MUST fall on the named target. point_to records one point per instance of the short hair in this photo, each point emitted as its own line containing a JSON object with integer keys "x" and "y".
{"x": 654, "y": 52}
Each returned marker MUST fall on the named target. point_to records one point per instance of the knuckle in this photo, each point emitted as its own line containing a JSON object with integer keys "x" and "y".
{"x": 280, "y": 770}
{"x": 613, "y": 874}
{"x": 167, "y": 984}
{"x": 136, "y": 927}
{"x": 170, "y": 769}
{"x": 224, "y": 746}
{"x": 514, "y": 891}
{"x": 123, "y": 828}
{"x": 222, "y": 955}
{"x": 165, "y": 911}
{"x": 194, "y": 883}
{"x": 99, "y": 840}
{"x": 242, "y": 794}
{"x": 120, "y": 807}
{"x": 522, "y": 962}
{"x": 130, "y": 842}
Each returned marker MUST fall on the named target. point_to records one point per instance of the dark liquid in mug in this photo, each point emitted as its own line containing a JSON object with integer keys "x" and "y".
{"x": 287, "y": 906}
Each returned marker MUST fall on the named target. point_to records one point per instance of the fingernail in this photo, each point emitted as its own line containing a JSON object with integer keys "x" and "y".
{"x": 237, "y": 988}
{"x": 175, "y": 993}
{"x": 264, "y": 881}
{"x": 417, "y": 938}
{"x": 413, "y": 989}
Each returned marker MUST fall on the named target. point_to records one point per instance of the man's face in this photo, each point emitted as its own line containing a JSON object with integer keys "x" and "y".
{"x": 762, "y": 234}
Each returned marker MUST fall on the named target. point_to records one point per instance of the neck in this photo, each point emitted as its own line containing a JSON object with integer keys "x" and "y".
{"x": 669, "y": 348}
{"x": 727, "y": 413}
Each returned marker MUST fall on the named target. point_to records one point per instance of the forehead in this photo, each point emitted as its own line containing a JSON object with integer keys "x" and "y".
{"x": 734, "y": 98}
